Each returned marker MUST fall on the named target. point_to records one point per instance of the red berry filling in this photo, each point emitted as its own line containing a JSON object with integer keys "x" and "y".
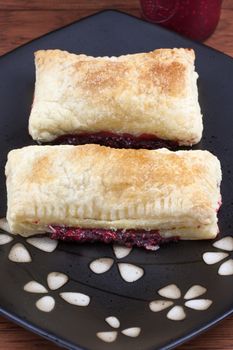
{"x": 219, "y": 204}
{"x": 117, "y": 140}
{"x": 140, "y": 238}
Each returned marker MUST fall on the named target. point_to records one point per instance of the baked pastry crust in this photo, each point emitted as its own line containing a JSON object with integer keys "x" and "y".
{"x": 92, "y": 186}
{"x": 146, "y": 93}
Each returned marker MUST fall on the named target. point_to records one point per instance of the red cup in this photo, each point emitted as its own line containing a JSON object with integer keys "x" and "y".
{"x": 196, "y": 19}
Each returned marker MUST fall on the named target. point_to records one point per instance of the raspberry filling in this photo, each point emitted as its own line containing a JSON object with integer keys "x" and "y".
{"x": 140, "y": 238}
{"x": 219, "y": 204}
{"x": 146, "y": 141}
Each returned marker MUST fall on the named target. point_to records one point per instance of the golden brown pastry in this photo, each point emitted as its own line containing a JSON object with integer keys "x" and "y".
{"x": 152, "y": 93}
{"x": 94, "y": 187}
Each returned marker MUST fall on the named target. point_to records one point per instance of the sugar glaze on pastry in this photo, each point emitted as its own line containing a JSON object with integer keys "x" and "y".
{"x": 153, "y": 93}
{"x": 95, "y": 187}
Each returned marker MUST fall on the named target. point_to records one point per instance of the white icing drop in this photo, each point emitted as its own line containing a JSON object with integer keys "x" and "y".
{"x": 159, "y": 305}
{"x": 45, "y": 304}
{"x": 101, "y": 265}
{"x": 121, "y": 251}
{"x": 132, "y": 332}
{"x": 198, "y": 304}
{"x": 226, "y": 269}
{"x": 4, "y": 225}
{"x": 4, "y": 239}
{"x": 130, "y": 272}
{"x": 113, "y": 321}
{"x": 194, "y": 292}
{"x": 78, "y": 299}
{"x": 225, "y": 243}
{"x": 34, "y": 287}
{"x": 19, "y": 254}
{"x": 107, "y": 337}
{"x": 211, "y": 258}
{"x": 176, "y": 314}
{"x": 56, "y": 280}
{"x": 43, "y": 243}
{"x": 171, "y": 292}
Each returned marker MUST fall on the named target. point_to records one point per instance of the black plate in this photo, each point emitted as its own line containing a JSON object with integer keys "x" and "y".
{"x": 114, "y": 33}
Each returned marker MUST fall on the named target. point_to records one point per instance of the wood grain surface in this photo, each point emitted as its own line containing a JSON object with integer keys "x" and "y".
{"x": 24, "y": 20}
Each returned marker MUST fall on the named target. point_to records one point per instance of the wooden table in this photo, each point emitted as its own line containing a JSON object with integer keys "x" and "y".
{"x": 24, "y": 20}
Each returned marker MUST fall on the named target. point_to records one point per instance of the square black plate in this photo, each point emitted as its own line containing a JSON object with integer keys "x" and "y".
{"x": 182, "y": 264}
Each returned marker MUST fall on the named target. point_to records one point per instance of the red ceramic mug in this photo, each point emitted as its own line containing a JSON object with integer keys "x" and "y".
{"x": 196, "y": 19}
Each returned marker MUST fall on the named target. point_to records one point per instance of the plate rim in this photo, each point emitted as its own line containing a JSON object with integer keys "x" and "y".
{"x": 198, "y": 43}
{"x": 69, "y": 345}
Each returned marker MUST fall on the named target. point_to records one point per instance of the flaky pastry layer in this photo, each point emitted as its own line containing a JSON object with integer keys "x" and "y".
{"x": 92, "y": 186}
{"x": 146, "y": 93}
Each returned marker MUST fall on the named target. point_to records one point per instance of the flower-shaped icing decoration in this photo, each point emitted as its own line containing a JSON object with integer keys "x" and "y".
{"x": 55, "y": 280}
{"x": 177, "y": 311}
{"x": 129, "y": 272}
{"x": 225, "y": 247}
{"x": 18, "y": 252}
{"x": 111, "y": 336}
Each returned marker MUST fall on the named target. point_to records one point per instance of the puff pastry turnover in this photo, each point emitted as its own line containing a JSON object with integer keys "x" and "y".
{"x": 95, "y": 187}
{"x": 152, "y": 93}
